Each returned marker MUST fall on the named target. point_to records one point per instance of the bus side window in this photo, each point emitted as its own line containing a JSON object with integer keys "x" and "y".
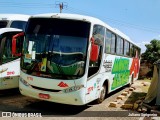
{"x": 126, "y": 48}
{"x": 134, "y": 51}
{"x": 118, "y": 45}
{"x": 110, "y": 43}
{"x": 98, "y": 32}
{"x": 131, "y": 50}
{"x": 122, "y": 47}
{"x": 108, "y": 39}
{"x": 19, "y": 25}
{"x": 113, "y": 44}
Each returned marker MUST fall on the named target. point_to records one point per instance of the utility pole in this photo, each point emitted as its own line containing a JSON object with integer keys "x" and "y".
{"x": 61, "y": 5}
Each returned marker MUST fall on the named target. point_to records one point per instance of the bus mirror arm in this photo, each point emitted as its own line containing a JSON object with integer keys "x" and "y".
{"x": 94, "y": 51}
{"x": 14, "y": 44}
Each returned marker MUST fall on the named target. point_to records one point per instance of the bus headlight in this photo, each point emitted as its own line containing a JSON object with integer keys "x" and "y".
{"x": 74, "y": 88}
{"x": 24, "y": 82}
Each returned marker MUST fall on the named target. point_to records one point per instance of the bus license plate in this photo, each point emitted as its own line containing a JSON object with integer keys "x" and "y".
{"x": 44, "y": 96}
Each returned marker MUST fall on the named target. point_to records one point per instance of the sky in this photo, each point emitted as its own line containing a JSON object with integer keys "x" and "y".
{"x": 138, "y": 19}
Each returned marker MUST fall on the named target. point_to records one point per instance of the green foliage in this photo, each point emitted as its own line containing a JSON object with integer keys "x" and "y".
{"x": 152, "y": 53}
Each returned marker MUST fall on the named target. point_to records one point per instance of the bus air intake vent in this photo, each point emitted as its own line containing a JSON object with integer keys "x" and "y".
{"x": 44, "y": 89}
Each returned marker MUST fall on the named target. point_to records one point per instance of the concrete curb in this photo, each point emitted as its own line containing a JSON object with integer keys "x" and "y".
{"x": 121, "y": 97}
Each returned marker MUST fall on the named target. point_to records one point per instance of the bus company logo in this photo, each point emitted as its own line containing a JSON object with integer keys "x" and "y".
{"x": 90, "y": 89}
{"x": 11, "y": 73}
{"x": 62, "y": 84}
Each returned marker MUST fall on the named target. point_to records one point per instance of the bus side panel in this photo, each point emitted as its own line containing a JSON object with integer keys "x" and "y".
{"x": 117, "y": 68}
{"x": 134, "y": 69}
{"x": 93, "y": 87}
{"x": 10, "y": 75}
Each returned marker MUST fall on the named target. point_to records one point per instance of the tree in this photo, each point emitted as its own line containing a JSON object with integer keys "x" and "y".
{"x": 152, "y": 53}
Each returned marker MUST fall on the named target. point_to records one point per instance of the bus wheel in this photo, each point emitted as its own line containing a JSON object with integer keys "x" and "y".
{"x": 102, "y": 94}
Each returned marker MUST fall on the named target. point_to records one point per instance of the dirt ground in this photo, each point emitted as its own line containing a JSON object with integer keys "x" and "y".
{"x": 133, "y": 100}
{"x": 135, "y": 94}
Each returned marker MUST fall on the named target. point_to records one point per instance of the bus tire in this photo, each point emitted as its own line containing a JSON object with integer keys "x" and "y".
{"x": 102, "y": 94}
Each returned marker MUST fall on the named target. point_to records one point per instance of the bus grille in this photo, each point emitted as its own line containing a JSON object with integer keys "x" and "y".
{"x": 44, "y": 89}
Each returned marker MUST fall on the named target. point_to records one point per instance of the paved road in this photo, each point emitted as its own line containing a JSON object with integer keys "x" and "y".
{"x": 13, "y": 101}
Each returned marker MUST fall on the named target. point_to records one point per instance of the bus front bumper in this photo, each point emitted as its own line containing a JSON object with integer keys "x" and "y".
{"x": 72, "y": 98}
{"x": 9, "y": 82}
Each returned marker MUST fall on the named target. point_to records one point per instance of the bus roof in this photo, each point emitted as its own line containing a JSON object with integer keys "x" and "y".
{"x": 84, "y": 18}
{"x": 20, "y": 17}
{"x": 3, "y": 30}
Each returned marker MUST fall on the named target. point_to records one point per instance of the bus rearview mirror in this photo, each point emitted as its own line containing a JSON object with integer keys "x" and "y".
{"x": 94, "y": 51}
{"x": 16, "y": 44}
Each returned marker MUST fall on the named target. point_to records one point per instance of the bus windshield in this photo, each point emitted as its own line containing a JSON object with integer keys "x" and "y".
{"x": 55, "y": 48}
{"x": 6, "y": 47}
{"x": 3, "y": 24}
{"x": 18, "y": 24}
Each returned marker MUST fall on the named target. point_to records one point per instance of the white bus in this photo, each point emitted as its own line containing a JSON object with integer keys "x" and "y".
{"x": 13, "y": 21}
{"x": 9, "y": 63}
{"x": 75, "y": 59}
